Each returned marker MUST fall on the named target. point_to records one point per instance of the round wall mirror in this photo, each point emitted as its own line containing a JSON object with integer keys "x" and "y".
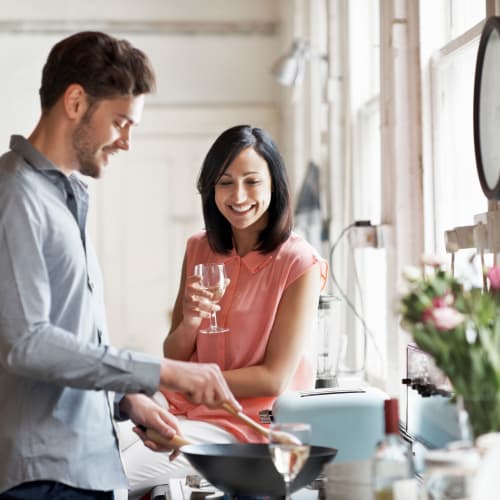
{"x": 487, "y": 109}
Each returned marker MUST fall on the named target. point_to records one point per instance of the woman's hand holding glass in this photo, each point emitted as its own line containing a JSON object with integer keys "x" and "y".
{"x": 203, "y": 291}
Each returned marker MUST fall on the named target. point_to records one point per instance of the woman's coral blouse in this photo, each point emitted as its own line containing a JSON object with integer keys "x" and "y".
{"x": 248, "y": 309}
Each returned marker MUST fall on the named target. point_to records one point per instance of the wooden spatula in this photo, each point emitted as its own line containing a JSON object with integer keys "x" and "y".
{"x": 284, "y": 437}
{"x": 178, "y": 441}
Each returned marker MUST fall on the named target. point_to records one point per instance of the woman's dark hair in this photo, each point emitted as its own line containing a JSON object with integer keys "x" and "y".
{"x": 223, "y": 151}
{"x": 103, "y": 65}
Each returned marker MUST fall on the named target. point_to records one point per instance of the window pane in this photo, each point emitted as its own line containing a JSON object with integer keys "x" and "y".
{"x": 464, "y": 14}
{"x": 366, "y": 269}
{"x": 457, "y": 192}
{"x": 454, "y": 194}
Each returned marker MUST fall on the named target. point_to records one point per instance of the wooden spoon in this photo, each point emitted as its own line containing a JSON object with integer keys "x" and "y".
{"x": 282, "y": 437}
{"x": 178, "y": 441}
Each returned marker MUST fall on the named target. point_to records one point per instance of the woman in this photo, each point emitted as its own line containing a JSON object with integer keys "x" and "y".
{"x": 269, "y": 304}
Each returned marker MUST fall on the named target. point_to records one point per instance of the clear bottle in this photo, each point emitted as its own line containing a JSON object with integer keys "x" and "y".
{"x": 392, "y": 459}
{"x": 449, "y": 473}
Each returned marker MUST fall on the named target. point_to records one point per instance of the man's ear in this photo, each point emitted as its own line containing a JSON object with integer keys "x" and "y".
{"x": 75, "y": 101}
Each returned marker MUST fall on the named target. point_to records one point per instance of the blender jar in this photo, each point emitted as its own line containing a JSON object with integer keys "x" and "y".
{"x": 328, "y": 343}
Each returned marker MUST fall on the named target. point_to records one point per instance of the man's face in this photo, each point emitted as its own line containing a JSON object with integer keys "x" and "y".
{"x": 104, "y": 130}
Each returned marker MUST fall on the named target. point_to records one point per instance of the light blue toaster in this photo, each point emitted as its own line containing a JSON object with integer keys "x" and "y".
{"x": 350, "y": 420}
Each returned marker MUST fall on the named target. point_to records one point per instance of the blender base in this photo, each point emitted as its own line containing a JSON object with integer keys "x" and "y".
{"x": 321, "y": 383}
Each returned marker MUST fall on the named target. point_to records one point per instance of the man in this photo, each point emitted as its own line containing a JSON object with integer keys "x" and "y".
{"x": 56, "y": 433}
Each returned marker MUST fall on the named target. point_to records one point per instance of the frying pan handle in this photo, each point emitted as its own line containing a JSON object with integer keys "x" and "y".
{"x": 174, "y": 443}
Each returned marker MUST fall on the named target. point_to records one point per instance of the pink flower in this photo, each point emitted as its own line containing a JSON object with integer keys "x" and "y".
{"x": 444, "y": 300}
{"x": 494, "y": 277}
{"x": 444, "y": 318}
{"x": 427, "y": 315}
{"x": 441, "y": 301}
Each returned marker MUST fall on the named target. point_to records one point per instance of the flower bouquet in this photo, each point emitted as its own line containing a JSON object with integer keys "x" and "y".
{"x": 459, "y": 326}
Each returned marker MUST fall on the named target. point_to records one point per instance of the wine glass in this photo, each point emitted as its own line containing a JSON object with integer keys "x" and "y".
{"x": 289, "y": 448}
{"x": 214, "y": 279}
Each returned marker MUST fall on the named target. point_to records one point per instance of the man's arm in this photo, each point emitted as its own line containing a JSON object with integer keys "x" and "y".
{"x": 202, "y": 383}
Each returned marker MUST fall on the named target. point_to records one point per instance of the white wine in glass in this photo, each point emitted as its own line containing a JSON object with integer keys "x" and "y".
{"x": 214, "y": 279}
{"x": 289, "y": 455}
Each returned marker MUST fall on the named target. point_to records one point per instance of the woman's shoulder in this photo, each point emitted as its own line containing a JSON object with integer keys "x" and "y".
{"x": 196, "y": 242}
{"x": 198, "y": 236}
{"x": 298, "y": 255}
{"x": 296, "y": 245}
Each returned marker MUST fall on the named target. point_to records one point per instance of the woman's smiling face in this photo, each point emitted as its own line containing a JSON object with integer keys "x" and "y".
{"x": 243, "y": 193}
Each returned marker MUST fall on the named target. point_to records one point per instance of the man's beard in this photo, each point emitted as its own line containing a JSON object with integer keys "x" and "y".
{"x": 84, "y": 149}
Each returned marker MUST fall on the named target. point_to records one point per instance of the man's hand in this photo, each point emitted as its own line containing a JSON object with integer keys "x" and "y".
{"x": 202, "y": 383}
{"x": 146, "y": 414}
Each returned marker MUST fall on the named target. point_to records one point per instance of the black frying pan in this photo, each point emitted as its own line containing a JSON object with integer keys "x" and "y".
{"x": 247, "y": 469}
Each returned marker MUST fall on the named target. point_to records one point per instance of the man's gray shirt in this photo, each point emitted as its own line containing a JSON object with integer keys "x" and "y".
{"x": 55, "y": 362}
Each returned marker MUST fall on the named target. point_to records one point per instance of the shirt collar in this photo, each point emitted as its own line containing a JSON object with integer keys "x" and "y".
{"x": 254, "y": 261}
{"x": 36, "y": 159}
{"x": 39, "y": 162}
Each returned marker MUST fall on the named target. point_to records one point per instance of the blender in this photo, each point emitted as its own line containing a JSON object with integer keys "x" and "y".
{"x": 329, "y": 343}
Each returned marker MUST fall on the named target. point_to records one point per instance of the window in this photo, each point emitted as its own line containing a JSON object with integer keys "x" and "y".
{"x": 449, "y": 38}
{"x": 453, "y": 192}
{"x": 364, "y": 305}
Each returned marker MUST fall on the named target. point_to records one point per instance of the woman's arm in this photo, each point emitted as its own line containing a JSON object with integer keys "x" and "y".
{"x": 292, "y": 328}
{"x": 191, "y": 305}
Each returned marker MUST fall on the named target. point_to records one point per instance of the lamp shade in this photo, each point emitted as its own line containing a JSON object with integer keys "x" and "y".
{"x": 289, "y": 69}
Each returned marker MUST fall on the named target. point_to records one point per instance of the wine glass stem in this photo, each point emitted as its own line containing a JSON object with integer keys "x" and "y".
{"x": 213, "y": 321}
{"x": 287, "y": 490}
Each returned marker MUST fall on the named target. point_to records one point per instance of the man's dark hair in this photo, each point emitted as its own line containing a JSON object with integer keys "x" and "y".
{"x": 222, "y": 152}
{"x": 103, "y": 65}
